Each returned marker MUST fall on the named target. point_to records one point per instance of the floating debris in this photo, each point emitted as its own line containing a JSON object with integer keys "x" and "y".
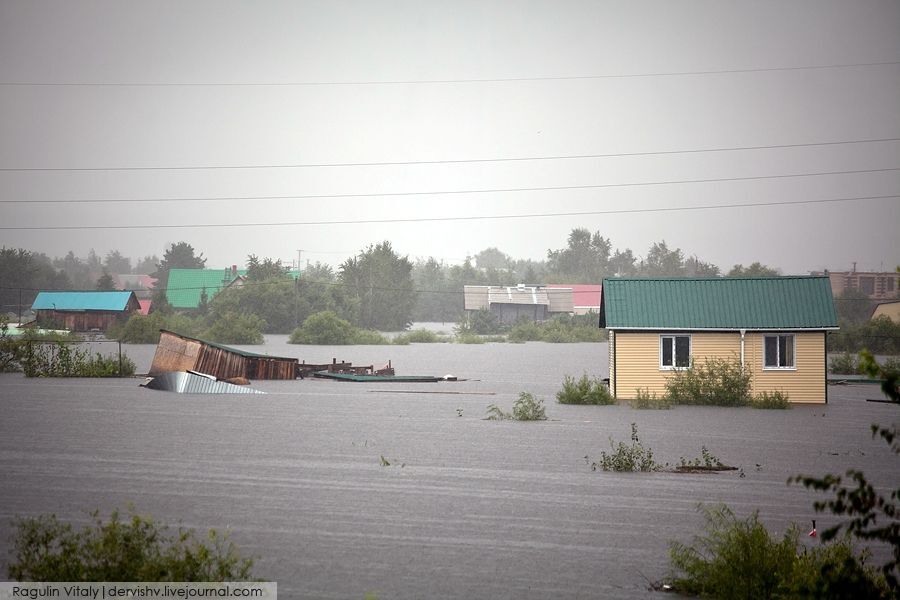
{"x": 191, "y": 382}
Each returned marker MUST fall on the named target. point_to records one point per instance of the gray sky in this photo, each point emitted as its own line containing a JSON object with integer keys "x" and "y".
{"x": 590, "y": 78}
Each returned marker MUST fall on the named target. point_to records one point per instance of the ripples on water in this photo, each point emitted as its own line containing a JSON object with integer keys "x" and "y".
{"x": 468, "y": 508}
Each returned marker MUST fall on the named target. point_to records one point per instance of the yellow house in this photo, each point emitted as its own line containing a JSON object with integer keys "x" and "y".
{"x": 775, "y": 327}
{"x": 891, "y": 310}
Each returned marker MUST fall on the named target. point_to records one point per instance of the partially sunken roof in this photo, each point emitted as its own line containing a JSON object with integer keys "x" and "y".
{"x": 111, "y": 301}
{"x": 718, "y": 303}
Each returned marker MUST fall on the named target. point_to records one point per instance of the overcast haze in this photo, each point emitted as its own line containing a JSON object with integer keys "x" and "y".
{"x": 111, "y": 86}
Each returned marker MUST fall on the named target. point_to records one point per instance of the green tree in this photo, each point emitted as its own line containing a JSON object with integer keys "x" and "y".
{"x": 754, "y": 270}
{"x": 492, "y": 258}
{"x": 623, "y": 263}
{"x": 694, "y": 267}
{"x": 22, "y": 275}
{"x": 584, "y": 260}
{"x": 435, "y": 300}
{"x": 114, "y": 262}
{"x": 76, "y": 270}
{"x": 146, "y": 265}
{"x": 235, "y": 328}
{"x": 663, "y": 262}
{"x": 178, "y": 256}
{"x": 266, "y": 269}
{"x": 106, "y": 282}
{"x": 853, "y": 306}
{"x": 382, "y": 283}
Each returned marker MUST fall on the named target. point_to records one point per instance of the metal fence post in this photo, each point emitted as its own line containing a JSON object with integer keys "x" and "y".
{"x": 120, "y": 357}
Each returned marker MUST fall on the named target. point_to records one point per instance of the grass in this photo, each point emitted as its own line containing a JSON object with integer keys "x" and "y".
{"x": 527, "y": 408}
{"x": 584, "y": 391}
{"x": 645, "y": 400}
{"x": 775, "y": 400}
{"x": 627, "y": 457}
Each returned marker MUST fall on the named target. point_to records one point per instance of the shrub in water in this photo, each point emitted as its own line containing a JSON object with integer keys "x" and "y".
{"x": 716, "y": 382}
{"x": 236, "y": 328}
{"x": 323, "y": 328}
{"x": 369, "y": 337}
{"x": 65, "y": 360}
{"x": 625, "y": 457}
{"x": 643, "y": 399}
{"x": 776, "y": 400}
{"x": 420, "y": 336}
{"x": 526, "y": 408}
{"x": 133, "y": 549}
{"x": 843, "y": 364}
{"x": 584, "y": 391}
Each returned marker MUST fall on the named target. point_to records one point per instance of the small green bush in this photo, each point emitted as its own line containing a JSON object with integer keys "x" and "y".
{"x": 526, "y": 408}
{"x": 645, "y": 400}
{"x": 584, "y": 391}
{"x": 144, "y": 329}
{"x": 707, "y": 460}
{"x": 738, "y": 558}
{"x": 774, "y": 400}
{"x": 625, "y": 457}
{"x": 324, "y": 328}
{"x": 369, "y": 337}
{"x": 136, "y": 548}
{"x": 715, "y": 382}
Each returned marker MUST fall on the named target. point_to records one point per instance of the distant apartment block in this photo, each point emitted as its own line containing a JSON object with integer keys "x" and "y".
{"x": 875, "y": 285}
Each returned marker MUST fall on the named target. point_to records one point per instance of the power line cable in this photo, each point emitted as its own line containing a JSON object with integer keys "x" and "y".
{"x": 448, "y": 192}
{"x": 451, "y": 161}
{"x": 443, "y": 219}
{"x": 446, "y": 81}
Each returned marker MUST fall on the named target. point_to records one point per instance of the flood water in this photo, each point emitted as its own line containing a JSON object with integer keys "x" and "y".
{"x": 468, "y": 508}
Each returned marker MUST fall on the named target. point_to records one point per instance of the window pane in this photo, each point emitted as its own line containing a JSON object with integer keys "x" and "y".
{"x": 666, "y": 352}
{"x": 682, "y": 351}
{"x": 786, "y": 349}
{"x": 771, "y": 345}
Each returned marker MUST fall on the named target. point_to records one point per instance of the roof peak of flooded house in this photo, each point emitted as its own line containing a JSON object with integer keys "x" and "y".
{"x": 722, "y": 278}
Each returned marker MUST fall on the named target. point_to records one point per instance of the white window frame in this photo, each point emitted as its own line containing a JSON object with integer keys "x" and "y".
{"x": 673, "y": 336}
{"x": 792, "y": 367}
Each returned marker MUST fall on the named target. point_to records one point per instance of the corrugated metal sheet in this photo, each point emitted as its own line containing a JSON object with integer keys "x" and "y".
{"x": 561, "y": 300}
{"x": 476, "y": 297}
{"x": 186, "y": 285}
{"x": 192, "y": 383}
{"x": 585, "y": 296}
{"x": 718, "y": 303}
{"x": 108, "y": 301}
{"x": 514, "y": 295}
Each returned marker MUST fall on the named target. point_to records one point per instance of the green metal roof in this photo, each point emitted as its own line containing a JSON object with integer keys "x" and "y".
{"x": 718, "y": 303}
{"x": 238, "y": 351}
{"x": 186, "y": 285}
{"x": 108, "y": 301}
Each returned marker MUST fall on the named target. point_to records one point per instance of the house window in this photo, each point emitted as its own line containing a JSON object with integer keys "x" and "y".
{"x": 779, "y": 351}
{"x": 674, "y": 351}
{"x": 867, "y": 285}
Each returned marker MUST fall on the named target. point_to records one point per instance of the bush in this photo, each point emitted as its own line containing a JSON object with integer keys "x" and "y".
{"x": 775, "y": 400}
{"x": 420, "y": 336}
{"x": 716, "y": 382}
{"x": 738, "y": 558}
{"x": 469, "y": 338}
{"x": 132, "y": 549}
{"x": 369, "y": 337}
{"x": 643, "y": 399}
{"x": 236, "y": 328}
{"x": 584, "y": 391}
{"x": 62, "y": 360}
{"x": 844, "y": 364}
{"x": 880, "y": 336}
{"x": 323, "y": 328}
{"x": 526, "y": 408}
{"x": 480, "y": 322}
{"x": 144, "y": 329}
{"x": 626, "y": 457}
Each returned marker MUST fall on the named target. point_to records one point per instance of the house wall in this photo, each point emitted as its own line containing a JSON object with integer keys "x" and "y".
{"x": 80, "y": 320}
{"x": 636, "y": 356}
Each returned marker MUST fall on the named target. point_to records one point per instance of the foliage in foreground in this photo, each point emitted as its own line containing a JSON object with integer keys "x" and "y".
{"x": 775, "y": 400}
{"x": 135, "y": 548}
{"x": 584, "y": 391}
{"x": 739, "y": 558}
{"x": 526, "y": 408}
{"x": 627, "y": 457}
{"x": 63, "y": 360}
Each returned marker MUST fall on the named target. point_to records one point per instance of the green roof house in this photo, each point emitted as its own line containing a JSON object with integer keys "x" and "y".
{"x": 185, "y": 286}
{"x": 775, "y": 327}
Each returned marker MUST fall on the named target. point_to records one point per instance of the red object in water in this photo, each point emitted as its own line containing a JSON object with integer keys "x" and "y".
{"x": 813, "y": 533}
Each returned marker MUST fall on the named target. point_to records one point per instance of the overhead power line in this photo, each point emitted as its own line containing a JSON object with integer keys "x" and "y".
{"x": 441, "y": 81}
{"x": 446, "y": 192}
{"x": 453, "y": 161}
{"x": 443, "y": 219}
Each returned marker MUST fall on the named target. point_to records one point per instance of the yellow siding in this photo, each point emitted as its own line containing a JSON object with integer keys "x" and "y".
{"x": 636, "y": 357}
{"x": 805, "y": 383}
{"x": 891, "y": 310}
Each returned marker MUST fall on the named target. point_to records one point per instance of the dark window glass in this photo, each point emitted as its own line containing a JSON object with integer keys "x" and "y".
{"x": 771, "y": 351}
{"x": 682, "y": 351}
{"x": 867, "y": 285}
{"x": 667, "y": 352}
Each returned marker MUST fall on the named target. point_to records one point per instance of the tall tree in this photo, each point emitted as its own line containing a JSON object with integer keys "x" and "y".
{"x": 754, "y": 270}
{"x": 146, "y": 265}
{"x": 492, "y": 258}
{"x": 106, "y": 282}
{"x": 623, "y": 263}
{"x": 262, "y": 270}
{"x": 584, "y": 260}
{"x": 382, "y": 282}
{"x": 694, "y": 267}
{"x": 22, "y": 275}
{"x": 116, "y": 263}
{"x": 663, "y": 262}
{"x": 178, "y": 256}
